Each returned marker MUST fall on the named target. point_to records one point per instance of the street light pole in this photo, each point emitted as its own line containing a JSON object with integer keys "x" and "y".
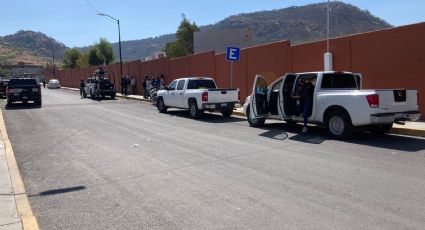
{"x": 119, "y": 37}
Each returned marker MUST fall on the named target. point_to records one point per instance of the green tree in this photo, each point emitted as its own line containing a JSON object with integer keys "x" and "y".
{"x": 83, "y": 61}
{"x": 70, "y": 58}
{"x": 184, "y": 40}
{"x": 93, "y": 57}
{"x": 105, "y": 51}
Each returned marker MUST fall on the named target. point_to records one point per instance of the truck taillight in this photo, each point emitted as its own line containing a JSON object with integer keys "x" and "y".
{"x": 373, "y": 100}
{"x": 205, "y": 96}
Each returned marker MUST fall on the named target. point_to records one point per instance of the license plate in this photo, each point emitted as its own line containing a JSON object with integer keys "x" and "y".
{"x": 211, "y": 106}
{"x": 223, "y": 105}
{"x": 24, "y": 97}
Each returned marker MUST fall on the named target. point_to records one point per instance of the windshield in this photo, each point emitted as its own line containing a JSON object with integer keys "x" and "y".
{"x": 201, "y": 84}
{"x": 22, "y": 82}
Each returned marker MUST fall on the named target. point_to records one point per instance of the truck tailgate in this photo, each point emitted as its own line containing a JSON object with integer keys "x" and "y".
{"x": 397, "y": 100}
{"x": 223, "y": 95}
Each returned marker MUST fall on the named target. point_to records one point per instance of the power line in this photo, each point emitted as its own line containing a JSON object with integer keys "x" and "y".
{"x": 88, "y": 2}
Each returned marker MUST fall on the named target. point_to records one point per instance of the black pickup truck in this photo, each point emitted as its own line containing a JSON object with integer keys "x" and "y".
{"x": 23, "y": 89}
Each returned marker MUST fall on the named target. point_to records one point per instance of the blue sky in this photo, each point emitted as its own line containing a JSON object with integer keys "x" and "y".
{"x": 75, "y": 22}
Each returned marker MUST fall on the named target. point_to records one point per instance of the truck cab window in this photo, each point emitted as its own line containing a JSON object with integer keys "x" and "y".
{"x": 172, "y": 86}
{"x": 339, "y": 81}
{"x": 180, "y": 85}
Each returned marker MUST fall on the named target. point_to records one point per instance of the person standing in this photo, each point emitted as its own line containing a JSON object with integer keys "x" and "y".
{"x": 148, "y": 87}
{"x": 161, "y": 82}
{"x": 144, "y": 85}
{"x": 44, "y": 83}
{"x": 125, "y": 85}
{"x": 133, "y": 85}
{"x": 82, "y": 85}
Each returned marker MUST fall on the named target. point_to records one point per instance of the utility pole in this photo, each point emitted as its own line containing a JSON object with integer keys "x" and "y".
{"x": 119, "y": 37}
{"x": 54, "y": 66}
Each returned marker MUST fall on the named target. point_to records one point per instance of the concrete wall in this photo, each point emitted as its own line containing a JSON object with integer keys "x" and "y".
{"x": 392, "y": 58}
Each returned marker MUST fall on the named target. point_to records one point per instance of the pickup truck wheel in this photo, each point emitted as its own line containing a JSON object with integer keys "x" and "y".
{"x": 112, "y": 96}
{"x": 380, "y": 129}
{"x": 38, "y": 102}
{"x": 9, "y": 102}
{"x": 161, "y": 106}
{"x": 339, "y": 125}
{"x": 227, "y": 112}
{"x": 193, "y": 110}
{"x": 254, "y": 122}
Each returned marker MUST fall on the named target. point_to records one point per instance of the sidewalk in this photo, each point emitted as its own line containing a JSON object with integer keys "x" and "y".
{"x": 410, "y": 128}
{"x": 9, "y": 218}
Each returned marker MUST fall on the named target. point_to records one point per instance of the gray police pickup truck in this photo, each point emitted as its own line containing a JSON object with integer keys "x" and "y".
{"x": 23, "y": 89}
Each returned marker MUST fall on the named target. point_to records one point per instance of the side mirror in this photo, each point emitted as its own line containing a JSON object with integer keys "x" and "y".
{"x": 166, "y": 88}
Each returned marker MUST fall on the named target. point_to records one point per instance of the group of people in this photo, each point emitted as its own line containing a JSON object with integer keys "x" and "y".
{"x": 154, "y": 83}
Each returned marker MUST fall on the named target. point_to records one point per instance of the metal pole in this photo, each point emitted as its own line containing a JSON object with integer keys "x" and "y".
{"x": 119, "y": 43}
{"x": 327, "y": 36}
{"x": 231, "y": 74}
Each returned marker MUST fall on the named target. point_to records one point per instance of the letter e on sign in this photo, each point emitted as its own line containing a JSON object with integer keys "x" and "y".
{"x": 233, "y": 54}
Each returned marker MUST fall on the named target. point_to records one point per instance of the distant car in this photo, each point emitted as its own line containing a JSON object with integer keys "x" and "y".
{"x": 3, "y": 85}
{"x": 53, "y": 84}
{"x": 23, "y": 89}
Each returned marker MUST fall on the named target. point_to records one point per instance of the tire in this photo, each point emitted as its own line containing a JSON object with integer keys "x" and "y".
{"x": 339, "y": 125}
{"x": 112, "y": 96}
{"x": 91, "y": 94}
{"x": 227, "y": 112}
{"x": 194, "y": 112}
{"x": 380, "y": 129}
{"x": 161, "y": 106}
{"x": 38, "y": 102}
{"x": 9, "y": 102}
{"x": 254, "y": 122}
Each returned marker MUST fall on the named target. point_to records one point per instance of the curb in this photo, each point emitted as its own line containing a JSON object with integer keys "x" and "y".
{"x": 29, "y": 221}
{"x": 394, "y": 130}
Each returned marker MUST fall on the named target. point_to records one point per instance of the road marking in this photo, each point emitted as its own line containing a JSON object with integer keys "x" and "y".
{"x": 29, "y": 222}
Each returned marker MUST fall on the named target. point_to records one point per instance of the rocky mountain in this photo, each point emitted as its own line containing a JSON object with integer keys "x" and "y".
{"x": 29, "y": 46}
{"x": 298, "y": 24}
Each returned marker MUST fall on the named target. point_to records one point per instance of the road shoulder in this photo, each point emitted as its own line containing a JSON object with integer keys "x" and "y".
{"x": 22, "y": 206}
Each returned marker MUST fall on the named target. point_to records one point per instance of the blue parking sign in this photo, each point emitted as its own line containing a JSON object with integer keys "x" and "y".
{"x": 233, "y": 53}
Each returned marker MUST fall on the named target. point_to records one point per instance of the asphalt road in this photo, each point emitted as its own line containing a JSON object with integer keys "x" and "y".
{"x": 119, "y": 164}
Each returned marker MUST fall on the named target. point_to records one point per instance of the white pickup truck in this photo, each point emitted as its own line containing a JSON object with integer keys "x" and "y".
{"x": 337, "y": 101}
{"x": 197, "y": 94}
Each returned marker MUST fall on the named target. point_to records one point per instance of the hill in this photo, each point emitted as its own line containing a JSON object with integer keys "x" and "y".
{"x": 29, "y": 46}
{"x": 297, "y": 24}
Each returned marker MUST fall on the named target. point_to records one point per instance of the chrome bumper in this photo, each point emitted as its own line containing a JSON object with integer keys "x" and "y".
{"x": 382, "y": 118}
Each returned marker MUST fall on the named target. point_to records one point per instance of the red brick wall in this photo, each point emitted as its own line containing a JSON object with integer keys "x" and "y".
{"x": 392, "y": 58}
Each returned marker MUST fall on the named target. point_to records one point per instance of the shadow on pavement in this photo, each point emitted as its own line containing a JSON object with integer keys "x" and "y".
{"x": 206, "y": 117}
{"x": 59, "y": 191}
{"x": 317, "y": 135}
{"x": 19, "y": 106}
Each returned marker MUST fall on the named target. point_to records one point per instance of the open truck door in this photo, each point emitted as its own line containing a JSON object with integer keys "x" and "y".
{"x": 259, "y": 97}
